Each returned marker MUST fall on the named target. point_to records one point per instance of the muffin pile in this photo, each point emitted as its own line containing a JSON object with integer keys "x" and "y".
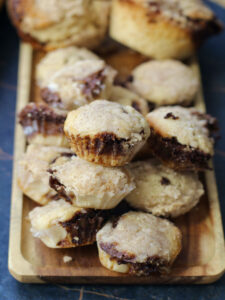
{"x": 109, "y": 162}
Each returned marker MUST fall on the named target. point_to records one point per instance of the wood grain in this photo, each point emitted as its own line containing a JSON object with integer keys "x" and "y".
{"x": 202, "y": 259}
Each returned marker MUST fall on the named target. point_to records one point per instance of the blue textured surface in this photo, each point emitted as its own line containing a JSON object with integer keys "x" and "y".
{"x": 212, "y": 61}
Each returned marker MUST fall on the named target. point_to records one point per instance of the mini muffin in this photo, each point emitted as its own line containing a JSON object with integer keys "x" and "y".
{"x": 124, "y": 96}
{"x": 79, "y": 84}
{"x": 162, "y": 29}
{"x": 48, "y": 25}
{"x": 58, "y": 59}
{"x": 138, "y": 243}
{"x": 33, "y": 178}
{"x": 181, "y": 137}
{"x": 106, "y": 133}
{"x": 163, "y": 191}
{"x": 43, "y": 125}
{"x": 166, "y": 82}
{"x": 62, "y": 225}
{"x": 85, "y": 184}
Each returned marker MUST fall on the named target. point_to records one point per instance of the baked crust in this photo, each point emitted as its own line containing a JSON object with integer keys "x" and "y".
{"x": 177, "y": 156}
{"x": 104, "y": 148}
{"x": 42, "y": 125}
{"x": 144, "y": 27}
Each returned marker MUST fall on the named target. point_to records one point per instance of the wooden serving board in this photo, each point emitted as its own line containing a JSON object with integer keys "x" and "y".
{"x": 202, "y": 259}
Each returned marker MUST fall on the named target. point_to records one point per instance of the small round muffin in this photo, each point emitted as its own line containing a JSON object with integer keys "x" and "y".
{"x": 43, "y": 125}
{"x": 181, "y": 137}
{"x": 58, "y": 59}
{"x": 85, "y": 184}
{"x": 48, "y": 25}
{"x": 124, "y": 96}
{"x": 166, "y": 82}
{"x": 138, "y": 243}
{"x": 78, "y": 84}
{"x": 62, "y": 225}
{"x": 106, "y": 133}
{"x": 33, "y": 178}
{"x": 163, "y": 191}
{"x": 162, "y": 29}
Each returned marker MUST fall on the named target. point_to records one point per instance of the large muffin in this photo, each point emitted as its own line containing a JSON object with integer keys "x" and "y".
{"x": 162, "y": 28}
{"x": 106, "y": 133}
{"x": 54, "y": 24}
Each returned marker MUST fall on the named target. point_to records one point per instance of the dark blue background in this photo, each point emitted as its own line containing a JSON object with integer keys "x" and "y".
{"x": 212, "y": 61}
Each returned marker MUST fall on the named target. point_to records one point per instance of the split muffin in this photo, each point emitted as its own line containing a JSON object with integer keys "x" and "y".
{"x": 139, "y": 244}
{"x": 62, "y": 225}
{"x": 48, "y": 25}
{"x": 163, "y": 191}
{"x": 33, "y": 178}
{"x": 166, "y": 82}
{"x": 182, "y": 138}
{"x": 88, "y": 185}
{"x": 124, "y": 96}
{"x": 162, "y": 29}
{"x": 106, "y": 133}
{"x": 55, "y": 60}
{"x": 43, "y": 125}
{"x": 78, "y": 84}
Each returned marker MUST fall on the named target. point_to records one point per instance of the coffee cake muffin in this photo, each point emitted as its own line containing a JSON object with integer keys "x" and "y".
{"x": 106, "y": 133}
{"x": 48, "y": 25}
{"x": 181, "y": 137}
{"x": 163, "y": 191}
{"x": 33, "y": 178}
{"x": 43, "y": 125}
{"x": 88, "y": 185}
{"x": 62, "y": 225}
{"x": 78, "y": 84}
{"x": 139, "y": 244}
{"x": 163, "y": 28}
{"x": 166, "y": 82}
{"x": 124, "y": 96}
{"x": 55, "y": 60}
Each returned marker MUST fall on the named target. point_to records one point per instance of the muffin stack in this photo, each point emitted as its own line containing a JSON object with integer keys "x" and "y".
{"x": 95, "y": 144}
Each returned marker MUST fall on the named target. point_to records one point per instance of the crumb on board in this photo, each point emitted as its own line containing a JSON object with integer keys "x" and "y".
{"x": 67, "y": 259}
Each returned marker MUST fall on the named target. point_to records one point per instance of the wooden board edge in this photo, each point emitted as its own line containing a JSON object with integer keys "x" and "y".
{"x": 23, "y": 271}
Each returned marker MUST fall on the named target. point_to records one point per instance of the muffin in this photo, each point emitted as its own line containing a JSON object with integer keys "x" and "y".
{"x": 163, "y": 191}
{"x": 48, "y": 25}
{"x": 106, "y": 133}
{"x": 166, "y": 82}
{"x": 162, "y": 29}
{"x": 139, "y": 244}
{"x": 78, "y": 84}
{"x": 33, "y": 178}
{"x": 62, "y": 225}
{"x": 124, "y": 96}
{"x": 88, "y": 185}
{"x": 43, "y": 125}
{"x": 181, "y": 137}
{"x": 55, "y": 60}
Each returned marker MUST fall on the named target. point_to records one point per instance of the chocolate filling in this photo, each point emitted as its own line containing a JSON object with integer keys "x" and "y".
{"x": 171, "y": 116}
{"x": 165, "y": 181}
{"x": 93, "y": 85}
{"x": 38, "y": 118}
{"x": 82, "y": 228}
{"x": 150, "y": 265}
{"x": 56, "y": 185}
{"x": 176, "y": 155}
{"x": 51, "y": 98}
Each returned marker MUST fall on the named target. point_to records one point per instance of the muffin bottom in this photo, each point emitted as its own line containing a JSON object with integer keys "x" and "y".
{"x": 125, "y": 265}
{"x": 177, "y": 156}
{"x": 104, "y": 148}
